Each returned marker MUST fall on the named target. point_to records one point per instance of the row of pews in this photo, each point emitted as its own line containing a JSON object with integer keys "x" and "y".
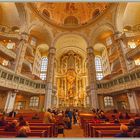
{"x": 102, "y": 129}
{"x": 38, "y": 128}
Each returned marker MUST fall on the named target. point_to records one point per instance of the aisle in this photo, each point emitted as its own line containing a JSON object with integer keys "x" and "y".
{"x": 75, "y": 132}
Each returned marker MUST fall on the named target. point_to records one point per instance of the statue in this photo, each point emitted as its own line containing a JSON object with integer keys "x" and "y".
{"x": 70, "y": 93}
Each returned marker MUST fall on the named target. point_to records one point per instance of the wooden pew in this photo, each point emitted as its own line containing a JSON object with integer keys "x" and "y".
{"x": 89, "y": 129}
{"x": 13, "y": 134}
{"x": 95, "y": 128}
{"x": 107, "y": 133}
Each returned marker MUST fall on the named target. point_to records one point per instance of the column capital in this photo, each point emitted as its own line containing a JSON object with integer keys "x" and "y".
{"x": 24, "y": 36}
{"x": 90, "y": 49}
{"x": 52, "y": 50}
{"x": 118, "y": 35}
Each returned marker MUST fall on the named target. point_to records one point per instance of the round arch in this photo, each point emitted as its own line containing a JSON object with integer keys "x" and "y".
{"x": 127, "y": 15}
{"x": 44, "y": 34}
{"x": 70, "y": 41}
{"x": 107, "y": 27}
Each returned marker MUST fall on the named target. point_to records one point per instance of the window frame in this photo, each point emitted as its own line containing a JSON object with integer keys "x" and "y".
{"x": 44, "y": 67}
{"x": 108, "y": 101}
{"x": 98, "y": 67}
{"x": 33, "y": 102}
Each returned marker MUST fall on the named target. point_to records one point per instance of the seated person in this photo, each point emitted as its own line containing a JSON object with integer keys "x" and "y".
{"x": 107, "y": 120}
{"x": 53, "y": 118}
{"x": 113, "y": 117}
{"x": 22, "y": 132}
{"x": 137, "y": 121}
{"x": 96, "y": 120}
{"x": 102, "y": 116}
{"x": 115, "y": 111}
{"x": 11, "y": 127}
{"x": 47, "y": 116}
{"x": 124, "y": 131}
{"x": 136, "y": 133}
{"x": 94, "y": 111}
{"x": 131, "y": 125}
{"x": 127, "y": 116}
{"x": 24, "y": 123}
{"x": 35, "y": 117}
{"x": 12, "y": 114}
{"x": 3, "y": 121}
{"x": 116, "y": 121}
{"x": 120, "y": 115}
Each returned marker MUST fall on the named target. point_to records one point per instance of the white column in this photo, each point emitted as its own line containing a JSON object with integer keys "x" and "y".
{"x": 92, "y": 77}
{"x": 50, "y": 74}
{"x": 9, "y": 106}
{"x": 134, "y": 108}
{"x": 120, "y": 46}
{"x": 21, "y": 52}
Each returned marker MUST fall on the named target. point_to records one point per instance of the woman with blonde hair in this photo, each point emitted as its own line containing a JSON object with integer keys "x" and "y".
{"x": 124, "y": 131}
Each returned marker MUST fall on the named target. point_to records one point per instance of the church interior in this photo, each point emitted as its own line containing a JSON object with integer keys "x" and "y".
{"x": 79, "y": 59}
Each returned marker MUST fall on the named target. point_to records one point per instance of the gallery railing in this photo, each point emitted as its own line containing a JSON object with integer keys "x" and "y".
{"x": 122, "y": 82}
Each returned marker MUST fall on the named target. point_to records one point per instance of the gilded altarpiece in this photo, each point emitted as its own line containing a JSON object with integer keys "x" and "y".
{"x": 71, "y": 80}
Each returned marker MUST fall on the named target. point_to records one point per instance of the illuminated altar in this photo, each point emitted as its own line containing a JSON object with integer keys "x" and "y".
{"x": 71, "y": 80}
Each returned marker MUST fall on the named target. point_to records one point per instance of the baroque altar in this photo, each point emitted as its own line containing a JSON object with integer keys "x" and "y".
{"x": 71, "y": 80}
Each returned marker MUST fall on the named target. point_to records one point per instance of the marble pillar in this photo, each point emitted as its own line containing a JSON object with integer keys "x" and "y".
{"x": 49, "y": 81}
{"x": 10, "y": 101}
{"x": 134, "y": 107}
{"x": 120, "y": 47}
{"x": 92, "y": 77}
{"x": 22, "y": 46}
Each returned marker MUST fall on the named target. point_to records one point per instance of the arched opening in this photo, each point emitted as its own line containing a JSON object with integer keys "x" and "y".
{"x": 95, "y": 13}
{"x": 71, "y": 20}
{"x": 46, "y": 13}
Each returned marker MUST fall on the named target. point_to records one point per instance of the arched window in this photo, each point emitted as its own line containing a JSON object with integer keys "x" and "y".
{"x": 98, "y": 66}
{"x": 108, "y": 101}
{"x": 34, "y": 101}
{"x": 71, "y": 20}
{"x": 44, "y": 64}
{"x": 46, "y": 13}
{"x": 96, "y": 13}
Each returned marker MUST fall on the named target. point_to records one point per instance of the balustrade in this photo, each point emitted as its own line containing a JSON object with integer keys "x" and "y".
{"x": 121, "y": 82}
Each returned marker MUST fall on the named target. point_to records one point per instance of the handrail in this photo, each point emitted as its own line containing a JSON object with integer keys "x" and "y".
{"x": 20, "y": 80}
{"x": 119, "y": 80}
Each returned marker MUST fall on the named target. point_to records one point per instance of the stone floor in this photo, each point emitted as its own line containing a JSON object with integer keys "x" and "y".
{"x": 75, "y": 132}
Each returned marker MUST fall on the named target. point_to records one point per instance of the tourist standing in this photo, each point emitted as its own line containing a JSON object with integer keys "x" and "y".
{"x": 48, "y": 116}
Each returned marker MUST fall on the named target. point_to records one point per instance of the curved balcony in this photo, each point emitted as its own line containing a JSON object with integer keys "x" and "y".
{"x": 133, "y": 53}
{"x": 9, "y": 35}
{"x": 30, "y": 59}
{"x": 30, "y": 50}
{"x": 113, "y": 57}
{"x": 5, "y": 32}
{"x": 10, "y": 80}
{"x": 7, "y": 53}
{"x": 27, "y": 64}
{"x": 132, "y": 34}
{"x": 120, "y": 83}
